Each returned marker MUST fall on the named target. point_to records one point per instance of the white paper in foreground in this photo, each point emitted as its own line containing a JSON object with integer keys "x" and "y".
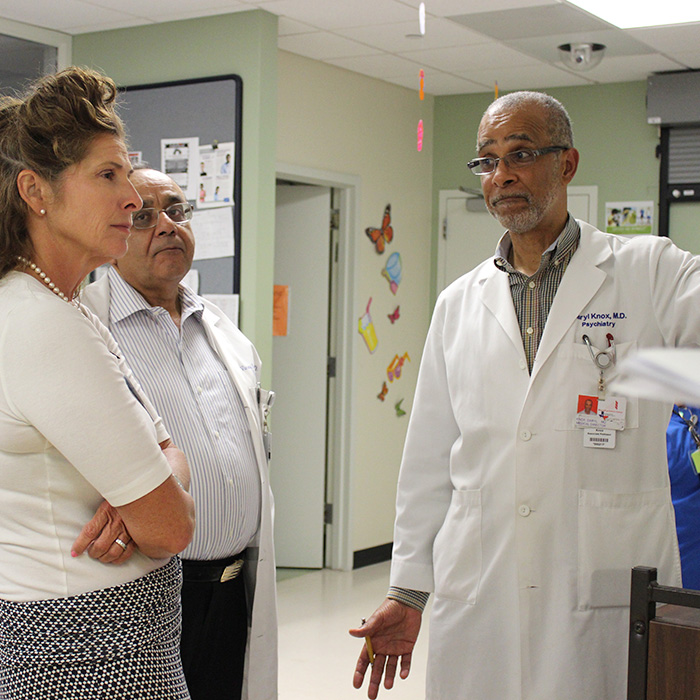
{"x": 661, "y": 374}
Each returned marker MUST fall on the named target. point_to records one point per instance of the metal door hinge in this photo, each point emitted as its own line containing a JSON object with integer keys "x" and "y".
{"x": 331, "y": 366}
{"x": 328, "y": 514}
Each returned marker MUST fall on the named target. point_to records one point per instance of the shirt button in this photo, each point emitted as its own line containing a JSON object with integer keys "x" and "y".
{"x": 532, "y": 285}
{"x": 199, "y": 389}
{"x": 530, "y": 330}
{"x": 525, "y": 435}
{"x": 524, "y": 510}
{"x": 216, "y": 434}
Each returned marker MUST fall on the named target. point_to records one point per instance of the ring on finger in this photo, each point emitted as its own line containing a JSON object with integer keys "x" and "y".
{"x": 121, "y": 543}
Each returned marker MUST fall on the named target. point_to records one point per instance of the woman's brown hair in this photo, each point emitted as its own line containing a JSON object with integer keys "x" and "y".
{"x": 46, "y": 130}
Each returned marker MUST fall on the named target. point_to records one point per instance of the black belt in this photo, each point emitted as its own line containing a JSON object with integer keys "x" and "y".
{"x": 220, "y": 570}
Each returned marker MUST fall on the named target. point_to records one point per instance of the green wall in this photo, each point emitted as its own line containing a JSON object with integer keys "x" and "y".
{"x": 617, "y": 146}
{"x": 244, "y": 43}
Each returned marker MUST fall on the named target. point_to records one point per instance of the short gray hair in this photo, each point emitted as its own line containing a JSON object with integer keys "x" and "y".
{"x": 558, "y": 120}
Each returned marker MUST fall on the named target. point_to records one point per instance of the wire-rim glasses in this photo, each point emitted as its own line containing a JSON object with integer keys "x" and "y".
{"x": 517, "y": 159}
{"x": 179, "y": 213}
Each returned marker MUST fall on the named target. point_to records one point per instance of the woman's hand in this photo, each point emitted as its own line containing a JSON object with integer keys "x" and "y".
{"x": 99, "y": 537}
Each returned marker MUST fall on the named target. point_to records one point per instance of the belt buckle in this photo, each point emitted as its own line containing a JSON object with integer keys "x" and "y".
{"x": 231, "y": 571}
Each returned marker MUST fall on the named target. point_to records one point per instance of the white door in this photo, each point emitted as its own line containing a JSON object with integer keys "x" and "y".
{"x": 469, "y": 234}
{"x": 297, "y": 467}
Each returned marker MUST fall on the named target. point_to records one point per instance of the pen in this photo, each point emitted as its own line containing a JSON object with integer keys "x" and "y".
{"x": 368, "y": 644}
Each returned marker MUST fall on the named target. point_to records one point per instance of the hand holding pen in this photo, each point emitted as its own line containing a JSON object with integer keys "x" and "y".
{"x": 389, "y": 634}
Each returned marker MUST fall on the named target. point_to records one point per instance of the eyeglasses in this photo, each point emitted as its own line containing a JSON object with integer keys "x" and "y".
{"x": 517, "y": 159}
{"x": 179, "y": 213}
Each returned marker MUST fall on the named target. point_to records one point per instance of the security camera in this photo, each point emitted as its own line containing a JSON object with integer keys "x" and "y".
{"x": 582, "y": 56}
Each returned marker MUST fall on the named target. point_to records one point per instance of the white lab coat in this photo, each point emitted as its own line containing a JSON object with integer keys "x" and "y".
{"x": 526, "y": 537}
{"x": 236, "y": 351}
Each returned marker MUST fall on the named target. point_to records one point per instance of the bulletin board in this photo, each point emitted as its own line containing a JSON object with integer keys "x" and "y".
{"x": 207, "y": 108}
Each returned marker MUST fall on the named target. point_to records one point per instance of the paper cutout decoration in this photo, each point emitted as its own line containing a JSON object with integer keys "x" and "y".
{"x": 394, "y": 316}
{"x": 399, "y": 411}
{"x": 392, "y": 272}
{"x": 381, "y": 236}
{"x": 420, "y": 135}
{"x": 366, "y": 329}
{"x": 421, "y": 19}
{"x": 393, "y": 371}
{"x": 421, "y": 75}
{"x": 383, "y": 392}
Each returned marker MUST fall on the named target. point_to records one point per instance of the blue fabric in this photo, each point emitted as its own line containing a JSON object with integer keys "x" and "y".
{"x": 685, "y": 492}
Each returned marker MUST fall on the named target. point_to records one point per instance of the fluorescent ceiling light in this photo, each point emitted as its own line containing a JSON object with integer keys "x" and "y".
{"x": 628, "y": 14}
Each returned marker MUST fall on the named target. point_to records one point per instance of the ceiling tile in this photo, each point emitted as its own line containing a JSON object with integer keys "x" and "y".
{"x": 625, "y": 68}
{"x": 526, "y": 78}
{"x": 617, "y": 43}
{"x": 437, "y": 83}
{"x": 166, "y": 10}
{"x": 481, "y": 56}
{"x": 668, "y": 40}
{"x": 73, "y": 13}
{"x": 689, "y": 59}
{"x": 379, "y": 66}
{"x": 323, "y": 45}
{"x": 286, "y": 26}
{"x": 335, "y": 14}
{"x": 448, "y": 8}
{"x": 544, "y": 20}
{"x": 439, "y": 33}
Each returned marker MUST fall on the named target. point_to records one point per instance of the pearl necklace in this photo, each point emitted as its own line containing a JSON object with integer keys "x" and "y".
{"x": 46, "y": 279}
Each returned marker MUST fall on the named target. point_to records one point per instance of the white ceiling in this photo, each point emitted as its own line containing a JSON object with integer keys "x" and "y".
{"x": 468, "y": 44}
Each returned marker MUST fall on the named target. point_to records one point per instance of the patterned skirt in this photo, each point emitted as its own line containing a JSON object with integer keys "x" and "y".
{"x": 116, "y": 643}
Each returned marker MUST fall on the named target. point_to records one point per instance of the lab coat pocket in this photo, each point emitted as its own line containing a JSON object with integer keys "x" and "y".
{"x": 457, "y": 549}
{"x": 616, "y": 532}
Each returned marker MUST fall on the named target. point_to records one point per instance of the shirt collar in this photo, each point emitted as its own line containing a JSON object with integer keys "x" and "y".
{"x": 565, "y": 243}
{"x": 126, "y": 301}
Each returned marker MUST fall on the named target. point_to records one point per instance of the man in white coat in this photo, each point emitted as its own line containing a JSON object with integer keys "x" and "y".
{"x": 202, "y": 375}
{"x": 524, "y": 524}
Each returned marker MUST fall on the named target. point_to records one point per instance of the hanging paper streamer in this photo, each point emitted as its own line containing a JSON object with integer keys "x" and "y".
{"x": 381, "y": 236}
{"x": 420, "y": 135}
{"x": 399, "y": 411}
{"x": 395, "y": 316}
{"x": 421, "y": 19}
{"x": 421, "y": 75}
{"x": 366, "y": 329}
{"x": 392, "y": 272}
{"x": 393, "y": 371}
{"x": 382, "y": 394}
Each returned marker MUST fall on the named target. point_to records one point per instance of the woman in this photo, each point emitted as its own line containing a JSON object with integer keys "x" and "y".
{"x": 85, "y": 464}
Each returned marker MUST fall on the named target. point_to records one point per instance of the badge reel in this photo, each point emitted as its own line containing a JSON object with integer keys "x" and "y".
{"x": 602, "y": 415}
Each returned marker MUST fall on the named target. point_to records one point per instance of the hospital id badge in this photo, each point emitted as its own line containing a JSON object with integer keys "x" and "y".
{"x": 613, "y": 411}
{"x": 599, "y": 438}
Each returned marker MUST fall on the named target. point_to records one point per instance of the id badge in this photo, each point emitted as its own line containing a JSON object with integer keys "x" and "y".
{"x": 606, "y": 414}
{"x": 599, "y": 438}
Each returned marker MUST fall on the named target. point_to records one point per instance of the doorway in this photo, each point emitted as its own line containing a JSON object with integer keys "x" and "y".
{"x": 312, "y": 368}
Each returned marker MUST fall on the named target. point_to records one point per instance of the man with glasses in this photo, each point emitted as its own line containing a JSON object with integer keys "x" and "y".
{"x": 202, "y": 374}
{"x": 524, "y": 522}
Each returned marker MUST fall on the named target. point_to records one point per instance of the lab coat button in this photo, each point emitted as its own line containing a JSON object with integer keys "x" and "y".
{"x": 525, "y": 435}
{"x": 522, "y": 364}
{"x": 524, "y": 510}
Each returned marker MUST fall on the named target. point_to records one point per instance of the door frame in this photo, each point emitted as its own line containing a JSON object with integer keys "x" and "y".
{"x": 338, "y": 552}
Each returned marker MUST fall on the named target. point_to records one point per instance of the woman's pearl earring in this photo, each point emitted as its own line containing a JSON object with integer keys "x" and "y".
{"x": 42, "y": 211}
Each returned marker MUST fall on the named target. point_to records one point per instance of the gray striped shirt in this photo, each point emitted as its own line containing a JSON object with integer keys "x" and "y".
{"x": 189, "y": 385}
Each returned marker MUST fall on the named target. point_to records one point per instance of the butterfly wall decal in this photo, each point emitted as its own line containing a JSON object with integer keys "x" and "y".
{"x": 381, "y": 236}
{"x": 383, "y": 392}
{"x": 395, "y": 316}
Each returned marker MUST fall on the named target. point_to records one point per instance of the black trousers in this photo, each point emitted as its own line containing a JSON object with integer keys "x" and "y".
{"x": 214, "y": 635}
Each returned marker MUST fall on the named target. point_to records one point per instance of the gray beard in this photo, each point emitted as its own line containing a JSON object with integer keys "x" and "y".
{"x": 526, "y": 220}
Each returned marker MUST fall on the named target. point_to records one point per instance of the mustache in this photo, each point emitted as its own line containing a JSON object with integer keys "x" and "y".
{"x": 513, "y": 195}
